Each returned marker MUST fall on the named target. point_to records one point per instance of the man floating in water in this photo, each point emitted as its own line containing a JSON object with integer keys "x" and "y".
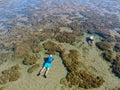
{"x": 47, "y": 65}
{"x": 90, "y": 40}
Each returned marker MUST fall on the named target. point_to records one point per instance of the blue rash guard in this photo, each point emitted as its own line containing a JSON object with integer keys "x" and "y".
{"x": 48, "y": 62}
{"x": 49, "y": 59}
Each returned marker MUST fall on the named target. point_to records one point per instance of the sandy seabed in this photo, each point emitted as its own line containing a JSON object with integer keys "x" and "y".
{"x": 90, "y": 56}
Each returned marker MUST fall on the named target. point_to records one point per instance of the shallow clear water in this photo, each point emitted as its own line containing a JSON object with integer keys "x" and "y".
{"x": 19, "y": 12}
{"x": 11, "y": 8}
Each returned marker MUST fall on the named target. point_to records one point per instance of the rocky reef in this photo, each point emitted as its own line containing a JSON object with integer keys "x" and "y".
{"x": 51, "y": 47}
{"x": 117, "y": 47}
{"x": 4, "y": 57}
{"x": 116, "y": 66}
{"x": 111, "y": 53}
{"x": 77, "y": 75}
{"x": 26, "y": 44}
{"x": 30, "y": 59}
{"x": 33, "y": 68}
{"x": 11, "y": 74}
{"x": 65, "y": 37}
{"x": 21, "y": 50}
{"x": 103, "y": 46}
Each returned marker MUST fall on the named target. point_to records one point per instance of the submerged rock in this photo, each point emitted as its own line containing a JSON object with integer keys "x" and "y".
{"x": 11, "y": 74}
{"x": 30, "y": 59}
{"x": 108, "y": 55}
{"x": 117, "y": 47}
{"x": 33, "y": 68}
{"x": 78, "y": 76}
{"x": 65, "y": 37}
{"x": 116, "y": 66}
{"x": 103, "y": 45}
{"x": 51, "y": 47}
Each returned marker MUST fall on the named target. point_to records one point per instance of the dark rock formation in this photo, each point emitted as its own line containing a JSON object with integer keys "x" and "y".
{"x": 30, "y": 59}
{"x": 65, "y": 37}
{"x": 76, "y": 76}
{"x": 51, "y": 47}
{"x": 103, "y": 45}
{"x": 117, "y": 47}
{"x": 108, "y": 55}
{"x": 116, "y": 66}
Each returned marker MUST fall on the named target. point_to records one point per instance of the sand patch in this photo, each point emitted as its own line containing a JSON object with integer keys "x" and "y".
{"x": 90, "y": 56}
{"x": 33, "y": 82}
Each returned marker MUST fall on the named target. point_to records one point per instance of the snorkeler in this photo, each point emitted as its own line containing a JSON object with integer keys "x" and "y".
{"x": 47, "y": 65}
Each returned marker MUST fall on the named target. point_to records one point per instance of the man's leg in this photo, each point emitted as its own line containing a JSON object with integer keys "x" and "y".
{"x": 43, "y": 68}
{"x": 46, "y": 72}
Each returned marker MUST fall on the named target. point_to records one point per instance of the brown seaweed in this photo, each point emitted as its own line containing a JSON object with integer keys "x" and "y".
{"x": 65, "y": 37}
{"x": 77, "y": 76}
{"x": 103, "y": 45}
{"x": 108, "y": 55}
{"x": 116, "y": 66}
{"x": 33, "y": 68}
{"x": 51, "y": 47}
{"x": 30, "y": 59}
{"x": 11, "y": 74}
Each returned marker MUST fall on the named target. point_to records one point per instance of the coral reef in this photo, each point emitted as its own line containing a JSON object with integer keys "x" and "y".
{"x": 71, "y": 60}
{"x": 65, "y": 37}
{"x": 117, "y": 47}
{"x": 4, "y": 57}
{"x": 64, "y": 81}
{"x": 51, "y": 47}
{"x": 11, "y": 74}
{"x": 108, "y": 55}
{"x": 116, "y": 66}
{"x": 33, "y": 68}
{"x": 106, "y": 35}
{"x": 103, "y": 33}
{"x": 36, "y": 48}
{"x": 29, "y": 43}
{"x": 30, "y": 59}
{"x": 76, "y": 75}
{"x": 103, "y": 45}
{"x": 84, "y": 79}
{"x": 44, "y": 35}
{"x": 22, "y": 50}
